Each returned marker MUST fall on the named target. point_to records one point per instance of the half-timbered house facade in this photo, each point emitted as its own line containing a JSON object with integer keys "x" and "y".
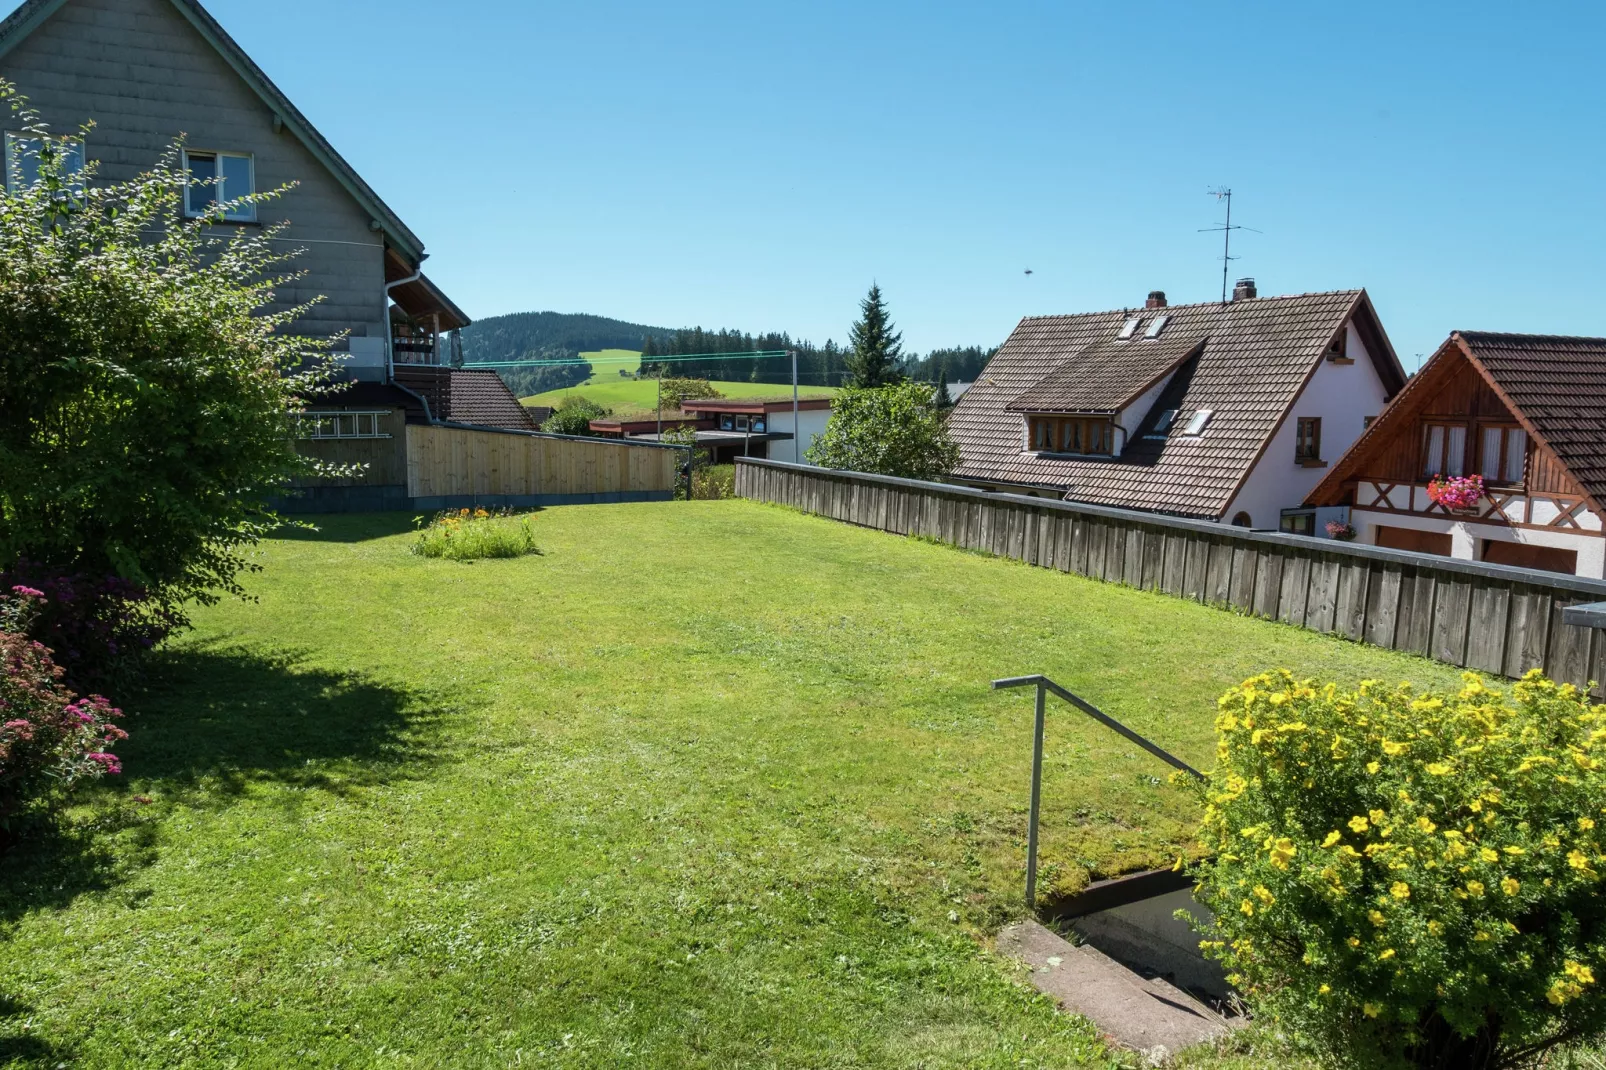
{"x": 1526, "y": 414}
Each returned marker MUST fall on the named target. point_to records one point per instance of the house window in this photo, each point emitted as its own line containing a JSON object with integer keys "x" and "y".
{"x": 727, "y": 423}
{"x": 1074, "y": 434}
{"x": 315, "y": 425}
{"x": 1444, "y": 450}
{"x": 1336, "y": 348}
{"x": 1298, "y": 523}
{"x": 1502, "y": 454}
{"x": 213, "y": 178}
{"x": 22, "y": 159}
{"x": 741, "y": 423}
{"x": 758, "y": 425}
{"x": 1198, "y": 421}
{"x": 1308, "y": 443}
{"x": 1242, "y": 520}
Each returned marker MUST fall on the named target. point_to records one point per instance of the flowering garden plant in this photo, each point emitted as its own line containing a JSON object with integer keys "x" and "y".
{"x": 49, "y": 738}
{"x": 1338, "y": 529}
{"x": 472, "y": 534}
{"x": 1456, "y": 492}
{"x": 1411, "y": 880}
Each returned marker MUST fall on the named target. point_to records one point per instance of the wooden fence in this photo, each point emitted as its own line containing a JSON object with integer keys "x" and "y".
{"x": 1488, "y": 617}
{"x": 456, "y": 461}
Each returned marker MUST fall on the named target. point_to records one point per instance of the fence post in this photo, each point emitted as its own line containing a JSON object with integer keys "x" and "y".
{"x": 1037, "y": 795}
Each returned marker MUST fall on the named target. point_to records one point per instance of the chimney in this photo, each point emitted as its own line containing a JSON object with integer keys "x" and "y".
{"x": 1156, "y": 299}
{"x": 1243, "y": 289}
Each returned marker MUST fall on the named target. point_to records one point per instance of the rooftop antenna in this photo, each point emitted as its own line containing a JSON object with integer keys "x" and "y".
{"x": 1223, "y": 193}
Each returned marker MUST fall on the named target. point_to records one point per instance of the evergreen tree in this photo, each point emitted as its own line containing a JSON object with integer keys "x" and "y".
{"x": 876, "y": 347}
{"x": 943, "y": 400}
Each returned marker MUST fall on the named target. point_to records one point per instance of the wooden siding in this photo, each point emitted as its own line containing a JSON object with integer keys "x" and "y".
{"x": 144, "y": 74}
{"x": 386, "y": 458}
{"x": 457, "y": 461}
{"x": 1486, "y": 617}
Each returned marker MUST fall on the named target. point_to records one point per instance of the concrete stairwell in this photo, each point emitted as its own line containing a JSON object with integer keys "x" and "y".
{"x": 1146, "y": 1014}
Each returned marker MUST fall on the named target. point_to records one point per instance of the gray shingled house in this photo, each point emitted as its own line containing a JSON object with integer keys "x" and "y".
{"x": 146, "y": 71}
{"x": 1220, "y": 411}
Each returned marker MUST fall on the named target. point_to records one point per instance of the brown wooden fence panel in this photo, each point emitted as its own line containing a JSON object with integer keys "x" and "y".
{"x": 445, "y": 461}
{"x": 1488, "y": 617}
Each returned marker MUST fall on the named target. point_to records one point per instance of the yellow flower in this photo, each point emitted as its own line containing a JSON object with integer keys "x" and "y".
{"x": 1263, "y": 894}
{"x": 1475, "y": 887}
{"x": 1579, "y": 861}
{"x": 1510, "y": 886}
{"x": 1376, "y": 918}
{"x": 1354, "y": 941}
{"x": 1488, "y": 854}
{"x": 1332, "y": 838}
{"x": 1322, "y": 991}
{"x": 1358, "y": 824}
{"x": 1579, "y": 972}
{"x": 1437, "y": 768}
{"x": 1514, "y": 850}
{"x": 1435, "y": 927}
{"x": 1386, "y": 954}
{"x": 1394, "y": 750}
{"x": 1400, "y": 890}
{"x": 1377, "y": 816}
{"x": 1426, "y": 825}
{"x": 1248, "y": 908}
{"x": 1371, "y": 1010}
{"x": 1586, "y": 823}
{"x": 1283, "y": 852}
{"x": 1481, "y": 937}
{"x": 1372, "y": 767}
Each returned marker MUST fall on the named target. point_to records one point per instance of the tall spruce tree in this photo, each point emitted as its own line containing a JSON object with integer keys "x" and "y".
{"x": 943, "y": 399}
{"x": 876, "y": 349}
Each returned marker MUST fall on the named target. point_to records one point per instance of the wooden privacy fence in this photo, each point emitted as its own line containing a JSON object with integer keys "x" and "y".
{"x": 1489, "y": 617}
{"x": 456, "y": 461}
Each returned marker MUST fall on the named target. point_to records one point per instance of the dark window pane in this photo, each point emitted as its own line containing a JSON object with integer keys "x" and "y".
{"x": 236, "y": 171}
{"x": 203, "y": 182}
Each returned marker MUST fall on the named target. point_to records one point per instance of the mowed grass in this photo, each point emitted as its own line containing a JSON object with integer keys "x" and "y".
{"x": 613, "y": 391}
{"x": 707, "y": 784}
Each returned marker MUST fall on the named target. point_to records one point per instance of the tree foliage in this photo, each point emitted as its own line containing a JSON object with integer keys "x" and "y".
{"x": 673, "y": 391}
{"x": 146, "y": 379}
{"x": 573, "y": 416}
{"x": 875, "y": 349}
{"x": 893, "y": 430}
{"x": 1412, "y": 879}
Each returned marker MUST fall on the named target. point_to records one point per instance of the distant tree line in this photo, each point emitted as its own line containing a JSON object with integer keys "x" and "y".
{"x": 961, "y": 365}
{"x": 549, "y": 336}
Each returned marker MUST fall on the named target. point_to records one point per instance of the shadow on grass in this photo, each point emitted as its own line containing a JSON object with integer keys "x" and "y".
{"x": 345, "y": 527}
{"x": 211, "y": 722}
{"x": 18, "y": 1046}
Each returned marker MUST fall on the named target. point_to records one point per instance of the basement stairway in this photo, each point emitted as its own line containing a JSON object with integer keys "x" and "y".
{"x": 1145, "y": 1013}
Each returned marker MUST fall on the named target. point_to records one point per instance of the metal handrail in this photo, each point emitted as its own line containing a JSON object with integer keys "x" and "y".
{"x": 1045, "y": 685}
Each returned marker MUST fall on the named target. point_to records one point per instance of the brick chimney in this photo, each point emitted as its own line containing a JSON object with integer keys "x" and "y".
{"x": 1156, "y": 299}
{"x": 1243, "y": 289}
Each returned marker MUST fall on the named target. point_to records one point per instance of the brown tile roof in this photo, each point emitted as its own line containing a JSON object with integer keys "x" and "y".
{"x": 1558, "y": 385}
{"x": 466, "y": 396}
{"x": 1257, "y": 356}
{"x": 1106, "y": 376}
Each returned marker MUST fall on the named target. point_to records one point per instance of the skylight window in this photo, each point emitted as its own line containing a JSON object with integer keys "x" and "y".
{"x": 1196, "y": 426}
{"x": 1156, "y": 327}
{"x": 1163, "y": 424}
{"x": 1130, "y": 327}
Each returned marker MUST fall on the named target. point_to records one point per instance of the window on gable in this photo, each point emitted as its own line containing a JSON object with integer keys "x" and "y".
{"x": 1444, "y": 450}
{"x": 22, "y": 159}
{"x": 1308, "y": 440}
{"x": 213, "y": 178}
{"x": 1503, "y": 454}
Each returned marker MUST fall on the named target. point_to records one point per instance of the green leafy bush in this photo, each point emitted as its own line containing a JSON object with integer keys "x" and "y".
{"x": 147, "y": 377}
{"x": 469, "y": 535}
{"x": 1411, "y": 879}
{"x": 894, "y": 430}
{"x": 573, "y": 416}
{"x": 714, "y": 482}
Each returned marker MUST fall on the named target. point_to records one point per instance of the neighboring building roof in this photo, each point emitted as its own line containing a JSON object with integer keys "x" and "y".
{"x": 1108, "y": 375}
{"x": 465, "y": 396}
{"x": 752, "y": 406}
{"x": 30, "y": 15}
{"x": 1258, "y": 354}
{"x": 539, "y": 414}
{"x": 1554, "y": 385}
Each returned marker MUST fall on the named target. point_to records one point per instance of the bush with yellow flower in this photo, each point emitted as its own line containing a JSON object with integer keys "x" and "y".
{"x": 1411, "y": 879}
{"x": 474, "y": 534}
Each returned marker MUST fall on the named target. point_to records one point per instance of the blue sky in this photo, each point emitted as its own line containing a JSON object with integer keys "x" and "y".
{"x": 757, "y": 165}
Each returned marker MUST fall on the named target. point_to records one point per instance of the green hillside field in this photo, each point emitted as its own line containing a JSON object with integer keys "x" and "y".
{"x": 611, "y": 390}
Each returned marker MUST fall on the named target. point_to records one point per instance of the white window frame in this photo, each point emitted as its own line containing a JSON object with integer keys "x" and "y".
{"x": 346, "y": 423}
{"x": 248, "y": 214}
{"x": 13, "y": 155}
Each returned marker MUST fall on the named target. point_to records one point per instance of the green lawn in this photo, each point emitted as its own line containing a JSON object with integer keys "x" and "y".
{"x": 706, "y": 784}
{"x": 613, "y": 391}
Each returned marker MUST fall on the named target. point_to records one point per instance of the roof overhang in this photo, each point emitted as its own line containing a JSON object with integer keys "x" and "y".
{"x": 422, "y": 300}
{"x": 742, "y": 406}
{"x": 32, "y": 14}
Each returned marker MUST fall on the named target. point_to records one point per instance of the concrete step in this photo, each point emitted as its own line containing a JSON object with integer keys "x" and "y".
{"x": 1145, "y": 1014}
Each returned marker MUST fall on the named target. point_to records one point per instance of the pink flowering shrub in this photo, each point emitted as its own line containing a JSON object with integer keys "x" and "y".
{"x": 50, "y": 739}
{"x": 1456, "y": 492}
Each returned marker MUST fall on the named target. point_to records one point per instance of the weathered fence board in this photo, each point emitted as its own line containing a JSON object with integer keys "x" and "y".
{"x": 1487, "y": 617}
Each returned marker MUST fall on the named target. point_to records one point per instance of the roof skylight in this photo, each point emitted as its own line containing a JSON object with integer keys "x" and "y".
{"x": 1156, "y": 326}
{"x": 1196, "y": 426}
{"x": 1130, "y": 327}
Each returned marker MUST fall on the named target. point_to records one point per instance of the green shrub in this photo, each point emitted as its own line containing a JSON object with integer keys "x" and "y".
{"x": 573, "y": 416}
{"x": 893, "y": 430}
{"x": 1409, "y": 879}
{"x": 469, "y": 535}
{"x": 714, "y": 482}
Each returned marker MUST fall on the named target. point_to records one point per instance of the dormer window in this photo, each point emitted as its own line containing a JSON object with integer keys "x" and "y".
{"x": 1072, "y": 434}
{"x": 1130, "y": 327}
{"x": 1338, "y": 348}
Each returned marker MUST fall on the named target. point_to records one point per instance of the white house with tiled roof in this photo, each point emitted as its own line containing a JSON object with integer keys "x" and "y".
{"x": 1220, "y": 411}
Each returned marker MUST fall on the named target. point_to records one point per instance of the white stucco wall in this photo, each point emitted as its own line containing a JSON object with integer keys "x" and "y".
{"x": 1343, "y": 395}
{"x": 1128, "y": 419}
{"x": 812, "y": 423}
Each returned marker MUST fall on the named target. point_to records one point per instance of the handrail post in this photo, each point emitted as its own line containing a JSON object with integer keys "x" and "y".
{"x": 1037, "y": 796}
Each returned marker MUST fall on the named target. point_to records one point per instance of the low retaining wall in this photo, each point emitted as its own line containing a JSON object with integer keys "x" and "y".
{"x": 1488, "y": 617}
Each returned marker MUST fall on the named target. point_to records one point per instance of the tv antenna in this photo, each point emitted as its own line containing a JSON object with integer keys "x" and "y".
{"x": 1223, "y": 193}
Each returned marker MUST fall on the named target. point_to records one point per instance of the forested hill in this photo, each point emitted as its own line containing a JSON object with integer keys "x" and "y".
{"x": 549, "y": 336}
